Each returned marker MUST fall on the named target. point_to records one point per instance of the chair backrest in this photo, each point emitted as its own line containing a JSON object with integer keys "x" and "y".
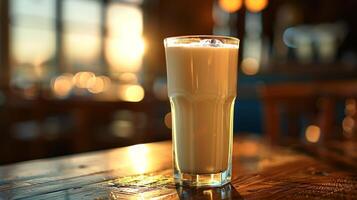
{"x": 316, "y": 102}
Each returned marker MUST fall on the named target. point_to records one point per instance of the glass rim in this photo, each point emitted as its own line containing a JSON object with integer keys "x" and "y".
{"x": 225, "y": 39}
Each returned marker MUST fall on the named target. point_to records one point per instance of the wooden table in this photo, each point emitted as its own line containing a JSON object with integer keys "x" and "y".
{"x": 260, "y": 171}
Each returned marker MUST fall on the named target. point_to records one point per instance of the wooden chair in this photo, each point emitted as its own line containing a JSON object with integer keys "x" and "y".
{"x": 316, "y": 101}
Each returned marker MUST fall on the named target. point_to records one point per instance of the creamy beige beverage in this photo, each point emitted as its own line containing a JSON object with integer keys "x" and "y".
{"x": 202, "y": 83}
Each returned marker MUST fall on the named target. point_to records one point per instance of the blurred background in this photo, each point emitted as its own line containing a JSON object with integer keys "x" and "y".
{"x": 83, "y": 75}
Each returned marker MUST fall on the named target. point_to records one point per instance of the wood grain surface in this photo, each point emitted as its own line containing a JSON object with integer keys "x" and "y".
{"x": 260, "y": 171}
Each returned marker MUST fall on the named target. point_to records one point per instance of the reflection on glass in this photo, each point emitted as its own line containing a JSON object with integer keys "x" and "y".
{"x": 208, "y": 193}
{"x": 81, "y": 32}
{"x": 138, "y": 156}
{"x": 224, "y": 192}
{"x": 125, "y": 44}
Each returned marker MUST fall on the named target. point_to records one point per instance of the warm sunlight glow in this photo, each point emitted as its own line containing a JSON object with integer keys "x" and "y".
{"x": 81, "y": 79}
{"x": 125, "y": 54}
{"x": 32, "y": 38}
{"x": 128, "y": 78}
{"x": 230, "y": 6}
{"x": 81, "y": 47}
{"x": 124, "y": 20}
{"x": 256, "y": 5}
{"x": 62, "y": 85}
{"x": 138, "y": 157}
{"x": 250, "y": 66}
{"x": 32, "y": 46}
{"x": 125, "y": 45}
{"x": 312, "y": 133}
{"x": 131, "y": 93}
{"x": 81, "y": 31}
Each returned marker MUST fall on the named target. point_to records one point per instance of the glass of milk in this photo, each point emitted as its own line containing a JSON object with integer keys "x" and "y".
{"x": 202, "y": 87}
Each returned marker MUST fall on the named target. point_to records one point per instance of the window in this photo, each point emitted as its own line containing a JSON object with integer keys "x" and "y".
{"x": 54, "y": 41}
{"x": 32, "y": 42}
{"x": 124, "y": 44}
{"x": 81, "y": 37}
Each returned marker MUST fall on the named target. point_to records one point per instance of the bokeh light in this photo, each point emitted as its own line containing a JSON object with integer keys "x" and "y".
{"x": 250, "y": 66}
{"x": 81, "y": 79}
{"x": 348, "y": 124}
{"x": 107, "y": 82}
{"x": 95, "y": 85}
{"x": 256, "y": 5}
{"x": 312, "y": 133}
{"x": 230, "y": 6}
{"x": 168, "y": 120}
{"x": 350, "y": 108}
{"x": 131, "y": 93}
{"x": 62, "y": 85}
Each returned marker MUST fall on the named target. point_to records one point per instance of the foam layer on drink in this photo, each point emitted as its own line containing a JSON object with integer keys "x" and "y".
{"x": 202, "y": 88}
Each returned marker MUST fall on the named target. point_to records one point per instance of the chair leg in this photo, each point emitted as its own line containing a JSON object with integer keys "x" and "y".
{"x": 272, "y": 121}
{"x": 327, "y": 116}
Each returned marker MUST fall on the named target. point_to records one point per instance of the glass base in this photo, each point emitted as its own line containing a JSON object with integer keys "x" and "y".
{"x": 202, "y": 180}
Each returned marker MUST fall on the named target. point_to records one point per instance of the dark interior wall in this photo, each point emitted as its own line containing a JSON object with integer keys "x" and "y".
{"x": 165, "y": 18}
{"x": 186, "y": 17}
{"x": 317, "y": 12}
{"x": 4, "y": 44}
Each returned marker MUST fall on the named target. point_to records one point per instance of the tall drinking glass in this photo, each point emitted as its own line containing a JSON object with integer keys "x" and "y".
{"x": 202, "y": 86}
